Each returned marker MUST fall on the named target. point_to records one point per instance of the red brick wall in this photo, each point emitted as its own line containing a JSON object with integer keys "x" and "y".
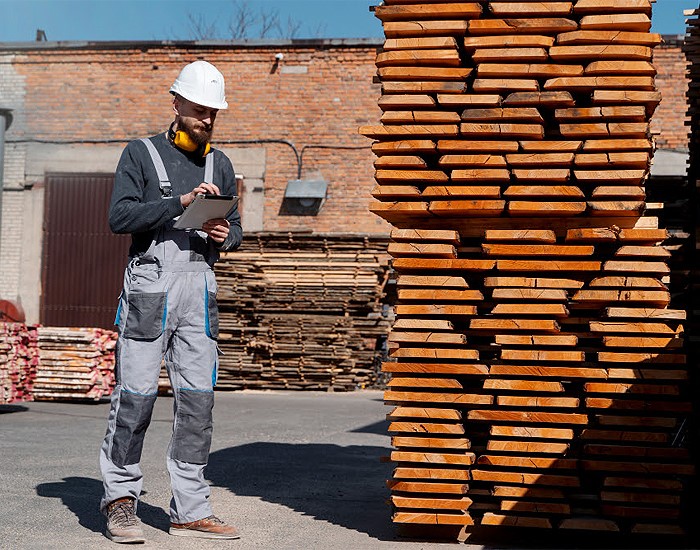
{"x": 671, "y": 114}
{"x": 123, "y": 94}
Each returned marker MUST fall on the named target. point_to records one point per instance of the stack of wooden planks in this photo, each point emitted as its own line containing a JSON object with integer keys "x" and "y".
{"x": 18, "y": 362}
{"x": 539, "y": 374}
{"x": 302, "y": 311}
{"x": 75, "y": 364}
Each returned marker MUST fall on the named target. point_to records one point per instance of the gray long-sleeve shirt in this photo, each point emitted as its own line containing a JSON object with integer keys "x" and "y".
{"x": 137, "y": 205}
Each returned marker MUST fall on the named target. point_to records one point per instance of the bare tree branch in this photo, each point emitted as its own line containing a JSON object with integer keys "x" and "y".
{"x": 242, "y": 21}
{"x": 293, "y": 27}
{"x": 200, "y": 29}
{"x": 269, "y": 23}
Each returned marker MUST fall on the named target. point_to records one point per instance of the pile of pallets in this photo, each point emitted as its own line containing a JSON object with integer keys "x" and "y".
{"x": 18, "y": 362}
{"x": 74, "y": 364}
{"x": 302, "y": 311}
{"x": 539, "y": 374}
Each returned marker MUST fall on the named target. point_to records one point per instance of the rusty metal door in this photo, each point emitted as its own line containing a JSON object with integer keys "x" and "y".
{"x": 82, "y": 260}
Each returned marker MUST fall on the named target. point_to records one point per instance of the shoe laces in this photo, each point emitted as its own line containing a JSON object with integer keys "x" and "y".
{"x": 123, "y": 514}
{"x": 215, "y": 520}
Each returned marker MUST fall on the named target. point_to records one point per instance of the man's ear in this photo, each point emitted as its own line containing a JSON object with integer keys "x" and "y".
{"x": 176, "y": 105}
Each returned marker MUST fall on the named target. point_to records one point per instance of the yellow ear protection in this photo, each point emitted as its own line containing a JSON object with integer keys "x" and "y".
{"x": 183, "y": 141}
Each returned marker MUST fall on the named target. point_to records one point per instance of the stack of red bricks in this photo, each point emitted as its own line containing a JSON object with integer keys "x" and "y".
{"x": 18, "y": 362}
{"x": 539, "y": 375}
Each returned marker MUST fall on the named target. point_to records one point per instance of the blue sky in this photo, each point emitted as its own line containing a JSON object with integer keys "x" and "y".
{"x": 173, "y": 19}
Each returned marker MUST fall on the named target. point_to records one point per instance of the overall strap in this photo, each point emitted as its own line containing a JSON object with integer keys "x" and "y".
{"x": 209, "y": 168}
{"x": 163, "y": 180}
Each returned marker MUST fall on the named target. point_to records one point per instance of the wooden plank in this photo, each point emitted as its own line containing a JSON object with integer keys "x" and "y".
{"x": 532, "y": 282}
{"x": 537, "y": 401}
{"x": 609, "y": 37}
{"x": 419, "y": 412}
{"x": 438, "y": 281}
{"x": 510, "y": 54}
{"x": 613, "y": 160}
{"x": 437, "y": 235}
{"x": 623, "y": 281}
{"x": 525, "y": 478}
{"x": 621, "y": 97}
{"x": 612, "y": 6}
{"x": 505, "y": 85}
{"x": 642, "y": 251}
{"x": 436, "y": 353}
{"x": 433, "y": 309}
{"x": 508, "y": 41}
{"x": 411, "y": 176}
{"x": 442, "y": 295}
{"x": 532, "y": 308}
{"x": 531, "y": 9}
{"x": 521, "y": 235}
{"x": 509, "y": 130}
{"x": 528, "y": 447}
{"x": 540, "y": 294}
{"x": 419, "y": 117}
{"x": 427, "y": 487}
{"x": 490, "y": 324}
{"x": 431, "y": 503}
{"x": 604, "y": 130}
{"x": 440, "y": 474}
{"x": 461, "y": 459}
{"x": 634, "y": 328}
{"x": 543, "y": 250}
{"x": 486, "y": 208}
{"x": 542, "y": 355}
{"x": 636, "y": 267}
{"x": 424, "y": 427}
{"x": 542, "y": 191}
{"x": 596, "y": 52}
{"x": 527, "y": 416}
{"x": 406, "y": 101}
{"x": 416, "y": 146}
{"x": 469, "y": 100}
{"x": 565, "y": 434}
{"x": 589, "y": 524}
{"x": 462, "y": 10}
{"x": 495, "y": 146}
{"x": 537, "y": 340}
{"x": 434, "y": 368}
{"x": 553, "y": 25}
{"x": 549, "y": 371}
{"x": 550, "y": 146}
{"x": 632, "y": 388}
{"x": 431, "y": 518}
{"x": 441, "y": 42}
{"x": 634, "y": 22}
{"x": 422, "y": 87}
{"x": 500, "y": 175}
{"x": 547, "y": 265}
{"x": 591, "y": 83}
{"x": 523, "y": 385}
{"x": 459, "y": 443}
{"x": 491, "y": 518}
{"x": 539, "y": 99}
{"x": 434, "y": 250}
{"x": 505, "y": 114}
{"x": 400, "y": 161}
{"x": 397, "y": 29}
{"x": 622, "y": 191}
{"x": 552, "y": 160}
{"x": 410, "y": 130}
{"x": 481, "y": 161}
{"x": 426, "y": 338}
{"x": 423, "y": 324}
{"x": 488, "y": 66}
{"x": 641, "y": 68}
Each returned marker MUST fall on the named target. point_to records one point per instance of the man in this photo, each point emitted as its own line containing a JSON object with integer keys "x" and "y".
{"x": 167, "y": 309}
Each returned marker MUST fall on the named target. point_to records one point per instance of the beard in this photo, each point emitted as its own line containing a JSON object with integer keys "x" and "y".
{"x": 199, "y": 132}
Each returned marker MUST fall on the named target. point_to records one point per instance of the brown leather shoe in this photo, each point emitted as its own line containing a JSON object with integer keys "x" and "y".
{"x": 207, "y": 528}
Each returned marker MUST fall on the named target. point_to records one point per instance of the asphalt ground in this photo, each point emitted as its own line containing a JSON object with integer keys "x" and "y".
{"x": 290, "y": 470}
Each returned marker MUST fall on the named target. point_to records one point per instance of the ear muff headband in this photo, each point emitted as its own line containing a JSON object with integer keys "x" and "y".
{"x": 183, "y": 141}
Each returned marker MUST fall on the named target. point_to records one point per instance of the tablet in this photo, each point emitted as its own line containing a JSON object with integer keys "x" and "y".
{"x": 203, "y": 208}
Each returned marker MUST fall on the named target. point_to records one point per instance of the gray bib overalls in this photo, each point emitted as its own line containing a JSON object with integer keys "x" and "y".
{"x": 167, "y": 312}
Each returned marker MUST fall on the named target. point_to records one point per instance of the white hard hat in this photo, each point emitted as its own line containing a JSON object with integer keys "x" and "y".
{"x": 202, "y": 83}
